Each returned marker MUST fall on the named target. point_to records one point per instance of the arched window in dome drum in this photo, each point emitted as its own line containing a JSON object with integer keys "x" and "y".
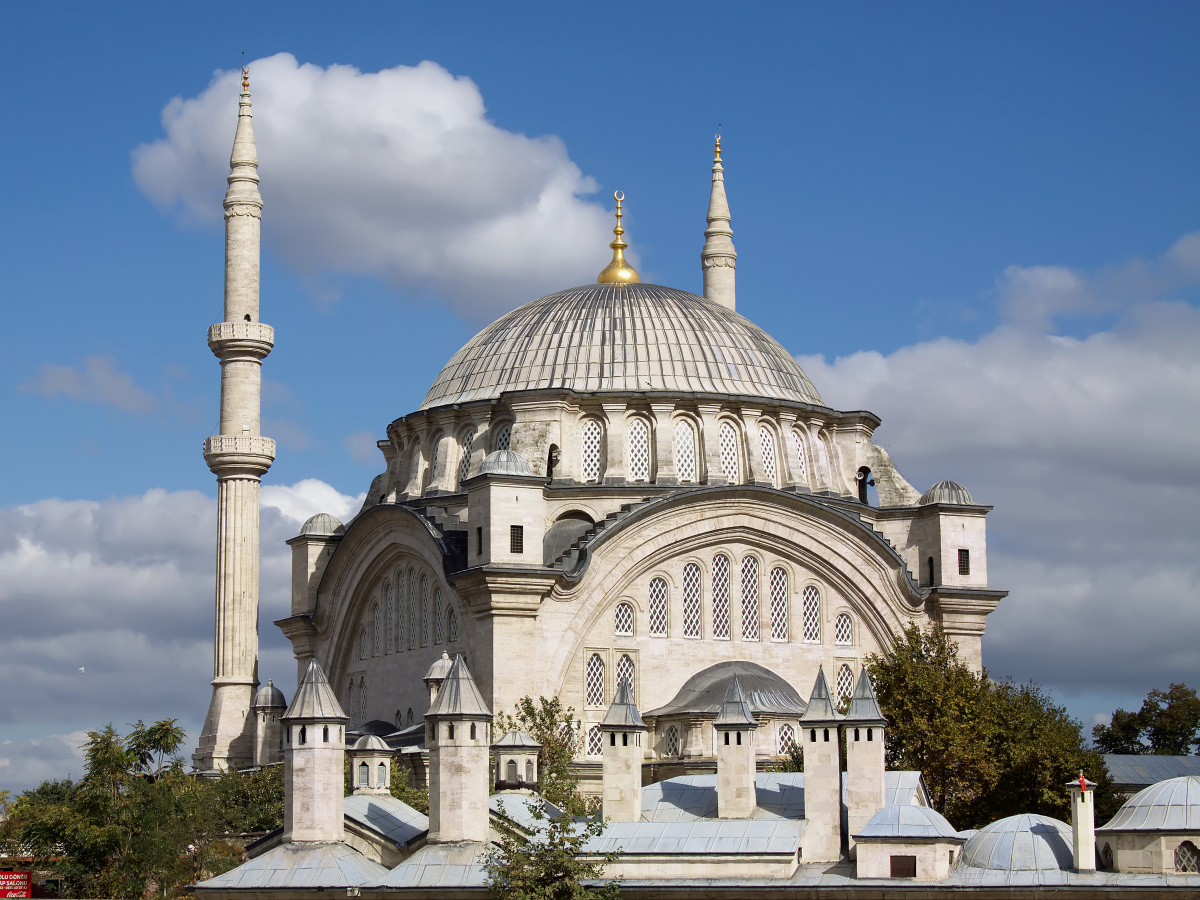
{"x": 749, "y": 599}
{"x": 658, "y": 607}
{"x": 729, "y": 453}
{"x": 464, "y": 464}
{"x": 845, "y": 683}
{"x": 691, "y": 601}
{"x": 376, "y": 631}
{"x": 437, "y": 616}
{"x": 720, "y": 592}
{"x": 390, "y": 614}
{"x": 779, "y": 604}
{"x": 433, "y": 458}
{"x": 625, "y": 672}
{"x": 685, "y": 451}
{"x": 623, "y": 619}
{"x": 595, "y": 680}
{"x": 801, "y": 459}
{"x": 639, "y": 450}
{"x": 812, "y": 615}
{"x": 503, "y": 437}
{"x": 671, "y": 743}
{"x": 766, "y": 440}
{"x": 424, "y": 611}
{"x": 843, "y": 630}
{"x": 412, "y": 609}
{"x": 590, "y": 450}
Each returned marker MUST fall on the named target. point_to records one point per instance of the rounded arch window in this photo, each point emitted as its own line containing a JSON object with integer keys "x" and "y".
{"x": 787, "y": 738}
{"x": 1187, "y": 858}
{"x": 671, "y": 743}
{"x": 362, "y": 644}
{"x": 639, "y": 450}
{"x": 843, "y": 630}
{"x": 595, "y": 741}
{"x": 410, "y": 715}
{"x": 801, "y": 458}
{"x": 364, "y": 775}
{"x": 412, "y": 608}
{"x": 623, "y": 619}
{"x": 503, "y": 438}
{"x": 510, "y": 771}
{"x": 362, "y": 701}
{"x": 376, "y": 631}
{"x": 685, "y": 451}
{"x": 812, "y": 615}
{"x": 750, "y": 599}
{"x": 766, "y": 441}
{"x": 720, "y": 593}
{"x": 658, "y": 607}
{"x": 595, "y": 680}
{"x": 401, "y": 612}
{"x": 464, "y": 463}
{"x": 529, "y": 779}
{"x": 730, "y": 460}
{"x": 845, "y": 683}
{"x": 381, "y": 779}
{"x": 451, "y": 625}
{"x": 390, "y": 615}
{"x": 433, "y": 456}
{"x": 691, "y": 601}
{"x": 437, "y": 616}
{"x": 590, "y": 445}
{"x": 424, "y": 610}
{"x": 626, "y": 672}
{"x": 779, "y": 604}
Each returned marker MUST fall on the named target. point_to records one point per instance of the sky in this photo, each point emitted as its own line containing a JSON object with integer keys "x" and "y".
{"x": 980, "y": 222}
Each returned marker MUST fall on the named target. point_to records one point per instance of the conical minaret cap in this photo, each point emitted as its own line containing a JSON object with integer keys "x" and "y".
{"x": 623, "y": 714}
{"x": 459, "y": 697}
{"x": 244, "y": 152}
{"x": 820, "y": 705}
{"x": 735, "y": 711}
{"x": 864, "y": 709}
{"x": 315, "y": 698}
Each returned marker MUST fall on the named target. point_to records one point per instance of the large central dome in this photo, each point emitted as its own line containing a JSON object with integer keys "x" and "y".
{"x": 621, "y": 338}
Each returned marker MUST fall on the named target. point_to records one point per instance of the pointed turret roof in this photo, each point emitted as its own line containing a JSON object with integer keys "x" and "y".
{"x": 623, "y": 714}
{"x": 735, "y": 711}
{"x": 244, "y": 152}
{"x": 864, "y": 709}
{"x": 820, "y": 705}
{"x": 458, "y": 697}
{"x": 315, "y": 698}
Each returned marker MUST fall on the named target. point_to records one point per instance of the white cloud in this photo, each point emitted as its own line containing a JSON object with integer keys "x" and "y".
{"x": 397, "y": 174}
{"x": 98, "y": 381}
{"x": 34, "y": 760}
{"x": 308, "y": 497}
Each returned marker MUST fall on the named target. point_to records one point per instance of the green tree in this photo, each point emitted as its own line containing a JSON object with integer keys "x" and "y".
{"x": 558, "y": 731}
{"x": 1167, "y": 724}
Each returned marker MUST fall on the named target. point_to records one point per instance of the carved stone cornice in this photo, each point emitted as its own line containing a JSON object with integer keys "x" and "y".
{"x": 504, "y": 590}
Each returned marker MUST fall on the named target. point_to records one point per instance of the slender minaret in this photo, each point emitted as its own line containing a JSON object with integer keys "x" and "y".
{"x": 718, "y": 258}
{"x": 239, "y": 456}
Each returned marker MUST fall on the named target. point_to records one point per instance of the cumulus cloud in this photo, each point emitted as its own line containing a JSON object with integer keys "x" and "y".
{"x": 397, "y": 174}
{"x": 124, "y": 588}
{"x": 98, "y": 381}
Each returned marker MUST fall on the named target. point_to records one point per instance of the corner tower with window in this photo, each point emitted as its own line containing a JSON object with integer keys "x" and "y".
{"x": 314, "y": 754}
{"x": 458, "y": 735}
{"x": 623, "y": 733}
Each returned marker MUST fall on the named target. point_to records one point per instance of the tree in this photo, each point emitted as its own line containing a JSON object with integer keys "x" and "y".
{"x": 558, "y": 731}
{"x": 1167, "y": 724}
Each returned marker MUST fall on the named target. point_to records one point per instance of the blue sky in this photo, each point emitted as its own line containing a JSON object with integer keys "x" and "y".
{"x": 907, "y": 181}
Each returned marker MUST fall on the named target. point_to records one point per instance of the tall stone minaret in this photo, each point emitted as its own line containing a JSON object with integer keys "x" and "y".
{"x": 718, "y": 258}
{"x": 239, "y": 456}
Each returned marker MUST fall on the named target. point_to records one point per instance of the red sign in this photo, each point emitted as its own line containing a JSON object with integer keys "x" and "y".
{"x": 14, "y": 884}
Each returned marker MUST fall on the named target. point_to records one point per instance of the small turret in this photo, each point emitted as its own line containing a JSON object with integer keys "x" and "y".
{"x": 864, "y": 724}
{"x": 822, "y": 776}
{"x": 371, "y": 766}
{"x": 269, "y": 707}
{"x": 718, "y": 259}
{"x": 436, "y": 675}
{"x": 736, "y": 767}
{"x": 622, "y": 731}
{"x": 457, "y": 735}
{"x": 516, "y": 762}
{"x": 313, "y": 762}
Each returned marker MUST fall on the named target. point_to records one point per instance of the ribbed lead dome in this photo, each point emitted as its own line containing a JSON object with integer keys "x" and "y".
{"x": 608, "y": 337}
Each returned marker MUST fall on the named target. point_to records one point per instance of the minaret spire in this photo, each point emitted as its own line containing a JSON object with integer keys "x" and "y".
{"x": 718, "y": 259}
{"x": 239, "y": 456}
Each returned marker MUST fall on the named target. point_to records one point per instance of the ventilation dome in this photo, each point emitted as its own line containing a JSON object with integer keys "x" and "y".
{"x": 505, "y": 462}
{"x": 947, "y": 492}
{"x": 269, "y": 697}
{"x": 372, "y": 742}
{"x": 322, "y": 525}
{"x": 1025, "y": 843}
{"x": 1171, "y": 805}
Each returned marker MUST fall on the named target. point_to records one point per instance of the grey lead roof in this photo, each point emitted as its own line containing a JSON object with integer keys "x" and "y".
{"x": 314, "y": 698}
{"x": 700, "y": 837}
{"x": 820, "y": 706}
{"x": 517, "y": 740}
{"x": 909, "y": 821}
{"x": 624, "y": 712}
{"x": 620, "y": 338}
{"x": 387, "y": 816}
{"x": 1171, "y": 805}
{"x": 1021, "y": 844}
{"x": 269, "y": 697}
{"x": 1148, "y": 769}
{"x": 735, "y": 711}
{"x": 458, "y": 695}
{"x": 440, "y": 866}
{"x": 947, "y": 492}
{"x": 765, "y": 692}
{"x": 505, "y": 462}
{"x": 300, "y": 866}
{"x": 864, "y": 708}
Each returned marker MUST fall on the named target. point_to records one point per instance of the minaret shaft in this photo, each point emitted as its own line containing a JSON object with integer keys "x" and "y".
{"x": 238, "y": 456}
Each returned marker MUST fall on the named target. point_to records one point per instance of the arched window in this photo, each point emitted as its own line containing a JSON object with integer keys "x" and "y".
{"x": 595, "y": 680}
{"x": 720, "y": 590}
{"x": 766, "y": 440}
{"x": 729, "y": 453}
{"x": 843, "y": 630}
{"x": 801, "y": 458}
{"x": 691, "y": 601}
{"x": 362, "y": 701}
{"x": 779, "y": 604}
{"x": 685, "y": 451}
{"x": 364, "y": 775}
{"x": 401, "y": 612}
{"x": 412, "y": 609}
{"x": 787, "y": 738}
{"x": 437, "y": 616}
{"x": 812, "y": 615}
{"x": 639, "y": 450}
{"x": 350, "y": 701}
{"x": 451, "y": 625}
{"x": 589, "y": 451}
{"x": 658, "y": 607}
{"x": 503, "y": 438}
{"x": 845, "y": 683}
{"x": 390, "y": 614}
{"x": 1187, "y": 858}
{"x": 595, "y": 741}
{"x": 362, "y": 644}
{"x": 464, "y": 464}
{"x": 529, "y": 779}
{"x": 433, "y": 457}
{"x": 510, "y": 772}
{"x": 749, "y": 599}
{"x": 376, "y": 631}
{"x": 424, "y": 610}
{"x": 381, "y": 779}
{"x": 625, "y": 672}
{"x": 623, "y": 619}
{"x": 303, "y": 736}
{"x": 671, "y": 744}
{"x": 410, "y": 715}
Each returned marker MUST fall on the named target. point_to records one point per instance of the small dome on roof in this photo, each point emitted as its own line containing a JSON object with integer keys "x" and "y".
{"x": 1171, "y": 805}
{"x": 322, "y": 525}
{"x": 440, "y": 668}
{"x": 505, "y": 462}
{"x": 516, "y": 740}
{"x": 269, "y": 697}
{"x": 946, "y": 492}
{"x": 1025, "y": 843}
{"x": 908, "y": 822}
{"x": 371, "y": 742}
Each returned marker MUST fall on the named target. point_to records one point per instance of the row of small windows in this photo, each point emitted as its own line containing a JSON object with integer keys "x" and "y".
{"x": 785, "y": 740}
{"x": 594, "y": 684}
{"x": 623, "y": 614}
{"x": 407, "y": 618}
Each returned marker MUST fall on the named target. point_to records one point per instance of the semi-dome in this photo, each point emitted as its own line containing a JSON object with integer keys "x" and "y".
{"x": 947, "y": 492}
{"x": 618, "y": 338}
{"x": 1025, "y": 843}
{"x": 505, "y": 462}
{"x": 322, "y": 525}
{"x": 269, "y": 697}
{"x": 371, "y": 742}
{"x": 1171, "y": 805}
{"x": 765, "y": 692}
{"x": 909, "y": 822}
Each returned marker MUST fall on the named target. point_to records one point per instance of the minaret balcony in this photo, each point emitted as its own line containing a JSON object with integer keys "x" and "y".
{"x": 236, "y": 338}
{"x": 239, "y": 454}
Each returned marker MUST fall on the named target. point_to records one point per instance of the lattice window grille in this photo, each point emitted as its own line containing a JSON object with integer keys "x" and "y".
{"x": 843, "y": 630}
{"x": 362, "y": 644}
{"x": 424, "y": 611}
{"x": 639, "y": 450}
{"x": 433, "y": 459}
{"x": 779, "y": 605}
{"x": 595, "y": 741}
{"x": 671, "y": 744}
{"x": 388, "y": 605}
{"x": 401, "y": 612}
{"x": 787, "y": 738}
{"x": 464, "y": 465}
{"x": 504, "y": 437}
{"x": 590, "y": 450}
{"x": 376, "y": 631}
{"x": 437, "y": 616}
{"x": 845, "y": 683}
{"x": 801, "y": 461}
{"x": 729, "y": 453}
{"x": 452, "y": 625}
{"x": 721, "y": 597}
{"x": 812, "y": 616}
{"x": 749, "y": 599}
{"x": 625, "y": 672}
{"x": 1187, "y": 858}
{"x": 658, "y": 607}
{"x": 623, "y": 619}
{"x": 350, "y": 704}
{"x": 412, "y": 609}
{"x": 691, "y": 601}
{"x": 767, "y": 442}
{"x": 685, "y": 451}
{"x": 362, "y": 702}
{"x": 595, "y": 680}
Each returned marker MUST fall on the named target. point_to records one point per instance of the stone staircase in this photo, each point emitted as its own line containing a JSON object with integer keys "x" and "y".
{"x": 453, "y": 532}
{"x": 571, "y": 558}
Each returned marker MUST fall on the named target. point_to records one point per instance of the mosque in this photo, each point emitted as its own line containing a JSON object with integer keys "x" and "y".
{"x": 633, "y": 499}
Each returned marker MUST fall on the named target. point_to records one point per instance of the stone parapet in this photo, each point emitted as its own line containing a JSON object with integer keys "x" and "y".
{"x": 241, "y": 338}
{"x": 239, "y": 454}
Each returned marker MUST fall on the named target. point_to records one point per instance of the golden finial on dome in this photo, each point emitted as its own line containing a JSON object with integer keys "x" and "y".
{"x": 618, "y": 271}
{"x": 245, "y": 78}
